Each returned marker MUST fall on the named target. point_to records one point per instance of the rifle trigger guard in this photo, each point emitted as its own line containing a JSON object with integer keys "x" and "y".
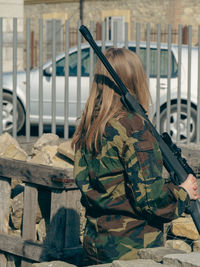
{"x": 173, "y": 177}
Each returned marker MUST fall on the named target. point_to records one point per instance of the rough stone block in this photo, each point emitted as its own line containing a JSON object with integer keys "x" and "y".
{"x": 46, "y": 139}
{"x": 3, "y": 260}
{"x": 187, "y": 260}
{"x": 101, "y": 265}
{"x": 66, "y": 150}
{"x": 158, "y": 253}
{"x": 10, "y": 148}
{"x": 185, "y": 227}
{"x": 53, "y": 264}
{"x": 178, "y": 244}
{"x": 138, "y": 263}
{"x": 196, "y": 246}
{"x": 48, "y": 156}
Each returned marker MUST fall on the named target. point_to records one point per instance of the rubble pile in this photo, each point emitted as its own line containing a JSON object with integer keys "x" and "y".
{"x": 49, "y": 150}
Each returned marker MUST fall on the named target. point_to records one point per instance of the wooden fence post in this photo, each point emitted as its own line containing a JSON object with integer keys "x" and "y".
{"x": 5, "y": 189}
{"x": 29, "y": 217}
{"x": 73, "y": 207}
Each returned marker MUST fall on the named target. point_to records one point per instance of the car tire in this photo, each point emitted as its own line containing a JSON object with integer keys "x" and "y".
{"x": 8, "y": 114}
{"x": 183, "y": 123}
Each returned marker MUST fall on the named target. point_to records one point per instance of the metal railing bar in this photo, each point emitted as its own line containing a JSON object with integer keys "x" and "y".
{"x": 179, "y": 80}
{"x": 115, "y": 35}
{"x": 28, "y": 44}
{"x": 66, "y": 94}
{"x": 103, "y": 35}
{"x": 138, "y": 39}
{"x": 158, "y": 79}
{"x": 53, "y": 92}
{"x": 189, "y": 81}
{"x": 40, "y": 77}
{"x": 1, "y": 76}
{"x": 169, "y": 69}
{"x": 15, "y": 77}
{"x": 78, "y": 107}
{"x": 198, "y": 91}
{"x": 126, "y": 35}
{"x": 91, "y": 57}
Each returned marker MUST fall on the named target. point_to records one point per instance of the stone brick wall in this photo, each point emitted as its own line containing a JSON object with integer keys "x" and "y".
{"x": 143, "y": 11}
{"x": 10, "y": 9}
{"x": 164, "y": 12}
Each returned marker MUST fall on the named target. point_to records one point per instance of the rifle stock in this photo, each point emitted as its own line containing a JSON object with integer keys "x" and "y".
{"x": 173, "y": 162}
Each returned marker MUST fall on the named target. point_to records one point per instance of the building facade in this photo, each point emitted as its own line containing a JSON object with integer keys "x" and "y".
{"x": 164, "y": 12}
{"x": 11, "y": 9}
{"x": 131, "y": 12}
{"x": 173, "y": 12}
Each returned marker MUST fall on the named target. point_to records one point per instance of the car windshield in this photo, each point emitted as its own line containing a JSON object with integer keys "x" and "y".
{"x": 154, "y": 62}
{"x": 85, "y": 63}
{"x": 73, "y": 59}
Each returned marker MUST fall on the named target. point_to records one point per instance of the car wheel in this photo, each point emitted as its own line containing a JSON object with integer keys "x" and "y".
{"x": 183, "y": 123}
{"x": 8, "y": 114}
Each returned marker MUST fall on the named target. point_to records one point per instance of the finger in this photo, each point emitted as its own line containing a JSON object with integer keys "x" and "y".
{"x": 195, "y": 187}
{"x": 193, "y": 179}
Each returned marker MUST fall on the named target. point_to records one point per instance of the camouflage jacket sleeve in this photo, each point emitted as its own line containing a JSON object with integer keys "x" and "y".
{"x": 149, "y": 192}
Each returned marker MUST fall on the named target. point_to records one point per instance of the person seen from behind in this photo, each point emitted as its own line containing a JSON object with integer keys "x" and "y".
{"x": 118, "y": 169}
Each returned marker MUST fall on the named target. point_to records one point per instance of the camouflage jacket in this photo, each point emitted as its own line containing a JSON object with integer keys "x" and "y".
{"x": 126, "y": 199}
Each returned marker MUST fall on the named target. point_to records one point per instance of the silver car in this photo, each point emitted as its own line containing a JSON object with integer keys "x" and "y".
{"x": 154, "y": 83}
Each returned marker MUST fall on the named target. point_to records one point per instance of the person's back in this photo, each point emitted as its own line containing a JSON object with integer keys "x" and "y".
{"x": 118, "y": 168}
{"x": 116, "y": 192}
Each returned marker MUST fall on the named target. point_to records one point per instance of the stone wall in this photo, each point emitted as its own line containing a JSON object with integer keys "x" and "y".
{"x": 10, "y": 9}
{"x": 155, "y": 12}
{"x": 182, "y": 241}
{"x": 175, "y": 12}
{"x": 152, "y": 257}
{"x": 143, "y": 11}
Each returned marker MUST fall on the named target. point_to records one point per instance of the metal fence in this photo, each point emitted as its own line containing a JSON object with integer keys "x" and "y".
{"x": 54, "y": 93}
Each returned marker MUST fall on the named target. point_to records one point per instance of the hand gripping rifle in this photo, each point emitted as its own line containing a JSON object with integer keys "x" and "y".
{"x": 173, "y": 162}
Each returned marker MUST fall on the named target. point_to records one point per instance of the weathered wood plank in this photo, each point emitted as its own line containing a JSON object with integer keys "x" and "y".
{"x": 47, "y": 1}
{"x": 37, "y": 174}
{"x": 5, "y": 189}
{"x": 56, "y": 228}
{"x": 30, "y": 210}
{"x": 33, "y": 250}
{"x": 73, "y": 206}
{"x": 3, "y": 260}
{"x": 23, "y": 248}
{"x": 63, "y": 227}
{"x": 29, "y": 216}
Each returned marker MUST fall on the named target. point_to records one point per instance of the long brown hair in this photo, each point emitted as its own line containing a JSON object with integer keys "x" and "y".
{"x": 104, "y": 103}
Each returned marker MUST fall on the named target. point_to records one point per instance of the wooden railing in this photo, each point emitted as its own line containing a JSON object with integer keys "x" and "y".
{"x": 62, "y": 239}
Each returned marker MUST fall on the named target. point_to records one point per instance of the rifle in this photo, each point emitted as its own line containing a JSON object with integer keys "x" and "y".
{"x": 175, "y": 164}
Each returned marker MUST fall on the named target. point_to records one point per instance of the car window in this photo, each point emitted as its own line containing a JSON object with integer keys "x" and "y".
{"x": 85, "y": 63}
{"x": 163, "y": 62}
{"x": 60, "y": 67}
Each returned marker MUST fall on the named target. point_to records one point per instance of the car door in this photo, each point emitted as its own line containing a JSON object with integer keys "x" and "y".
{"x": 75, "y": 81}
{"x": 59, "y": 92}
{"x": 72, "y": 87}
{"x": 159, "y": 83}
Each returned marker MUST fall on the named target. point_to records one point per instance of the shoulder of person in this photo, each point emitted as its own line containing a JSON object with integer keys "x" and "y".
{"x": 132, "y": 122}
{"x": 125, "y": 125}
